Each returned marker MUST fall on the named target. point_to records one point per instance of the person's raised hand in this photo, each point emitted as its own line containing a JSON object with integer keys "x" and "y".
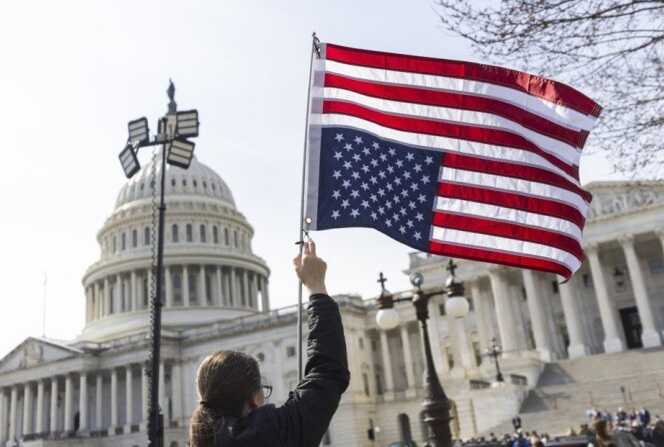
{"x": 311, "y": 269}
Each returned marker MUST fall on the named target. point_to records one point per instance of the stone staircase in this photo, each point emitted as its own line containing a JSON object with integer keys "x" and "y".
{"x": 568, "y": 388}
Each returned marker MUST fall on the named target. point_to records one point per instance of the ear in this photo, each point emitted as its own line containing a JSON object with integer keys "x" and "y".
{"x": 257, "y": 400}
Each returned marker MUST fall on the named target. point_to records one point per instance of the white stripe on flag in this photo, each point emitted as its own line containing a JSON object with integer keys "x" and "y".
{"x": 508, "y": 215}
{"x": 557, "y": 148}
{"x": 433, "y": 142}
{"x": 502, "y": 244}
{"x": 562, "y": 115}
{"x": 514, "y": 185}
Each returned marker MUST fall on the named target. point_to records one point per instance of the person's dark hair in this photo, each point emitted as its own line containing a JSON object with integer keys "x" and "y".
{"x": 226, "y": 381}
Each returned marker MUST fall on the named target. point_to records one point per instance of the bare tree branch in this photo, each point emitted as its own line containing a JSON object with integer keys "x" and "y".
{"x": 611, "y": 49}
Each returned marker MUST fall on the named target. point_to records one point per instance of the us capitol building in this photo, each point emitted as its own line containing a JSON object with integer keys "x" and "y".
{"x": 91, "y": 391}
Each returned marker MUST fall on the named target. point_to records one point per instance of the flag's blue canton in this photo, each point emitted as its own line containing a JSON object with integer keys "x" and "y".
{"x": 365, "y": 181}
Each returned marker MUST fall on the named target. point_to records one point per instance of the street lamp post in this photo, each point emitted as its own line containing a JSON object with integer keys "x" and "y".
{"x": 436, "y": 407}
{"x": 495, "y": 352}
{"x": 176, "y": 150}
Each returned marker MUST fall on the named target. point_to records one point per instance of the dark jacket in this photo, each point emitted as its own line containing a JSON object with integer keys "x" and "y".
{"x": 303, "y": 420}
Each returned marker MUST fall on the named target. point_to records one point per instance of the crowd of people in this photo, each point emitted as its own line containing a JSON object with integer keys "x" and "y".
{"x": 603, "y": 429}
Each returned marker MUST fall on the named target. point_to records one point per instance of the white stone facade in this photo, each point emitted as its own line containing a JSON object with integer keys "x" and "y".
{"x": 92, "y": 391}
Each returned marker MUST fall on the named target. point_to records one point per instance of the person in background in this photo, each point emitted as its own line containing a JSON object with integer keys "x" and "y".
{"x": 656, "y": 435}
{"x": 232, "y": 411}
{"x": 644, "y": 417}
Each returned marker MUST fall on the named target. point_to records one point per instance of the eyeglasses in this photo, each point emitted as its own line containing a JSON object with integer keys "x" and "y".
{"x": 267, "y": 391}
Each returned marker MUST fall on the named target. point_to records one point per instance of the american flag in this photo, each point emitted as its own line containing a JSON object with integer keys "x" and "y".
{"x": 453, "y": 158}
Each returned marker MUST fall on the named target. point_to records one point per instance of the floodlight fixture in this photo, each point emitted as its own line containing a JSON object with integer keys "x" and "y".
{"x": 180, "y": 153}
{"x": 139, "y": 132}
{"x": 187, "y": 123}
{"x": 129, "y": 161}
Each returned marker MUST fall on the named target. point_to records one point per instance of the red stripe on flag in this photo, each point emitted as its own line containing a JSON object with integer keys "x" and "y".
{"x": 476, "y": 164}
{"x": 459, "y": 101}
{"x": 497, "y": 257}
{"x": 459, "y": 131}
{"x": 508, "y": 230}
{"x": 538, "y": 86}
{"x": 512, "y": 200}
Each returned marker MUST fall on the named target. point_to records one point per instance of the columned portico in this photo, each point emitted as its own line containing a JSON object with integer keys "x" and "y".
{"x": 650, "y": 336}
{"x": 613, "y": 341}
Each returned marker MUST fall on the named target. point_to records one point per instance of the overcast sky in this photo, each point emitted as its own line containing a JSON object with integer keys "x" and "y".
{"x": 73, "y": 73}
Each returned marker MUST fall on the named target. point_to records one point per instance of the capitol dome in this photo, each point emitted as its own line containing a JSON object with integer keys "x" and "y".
{"x": 199, "y": 180}
{"x": 210, "y": 270}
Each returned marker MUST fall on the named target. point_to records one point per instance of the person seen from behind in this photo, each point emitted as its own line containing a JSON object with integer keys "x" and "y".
{"x": 232, "y": 410}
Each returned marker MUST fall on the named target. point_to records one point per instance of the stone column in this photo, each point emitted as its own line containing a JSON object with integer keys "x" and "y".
{"x": 538, "y": 318}
{"x": 265, "y": 302}
{"x": 129, "y": 402}
{"x": 185, "y": 286}
{"x": 202, "y": 289}
{"x": 83, "y": 402}
{"x": 134, "y": 291}
{"x": 107, "y": 296}
{"x": 220, "y": 298}
{"x": 168, "y": 283}
{"x": 145, "y": 393}
{"x": 458, "y": 326}
{"x": 99, "y": 389}
{"x": 88, "y": 304}
{"x": 3, "y": 417}
{"x": 254, "y": 290}
{"x": 114, "y": 401}
{"x": 176, "y": 378}
{"x": 408, "y": 358}
{"x": 506, "y": 320}
{"x": 387, "y": 366}
{"x": 69, "y": 403}
{"x": 162, "y": 387}
{"x": 13, "y": 407}
{"x": 480, "y": 314}
{"x": 245, "y": 288}
{"x": 265, "y": 289}
{"x": 613, "y": 341}
{"x": 39, "y": 419}
{"x": 54, "y": 405}
{"x": 235, "y": 299}
{"x": 27, "y": 409}
{"x": 650, "y": 336}
{"x": 577, "y": 344}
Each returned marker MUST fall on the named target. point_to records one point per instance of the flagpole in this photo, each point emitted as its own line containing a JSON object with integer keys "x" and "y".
{"x": 300, "y": 241}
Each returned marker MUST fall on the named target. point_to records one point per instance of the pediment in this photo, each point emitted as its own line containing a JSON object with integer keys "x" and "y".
{"x": 35, "y": 351}
{"x": 616, "y": 198}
